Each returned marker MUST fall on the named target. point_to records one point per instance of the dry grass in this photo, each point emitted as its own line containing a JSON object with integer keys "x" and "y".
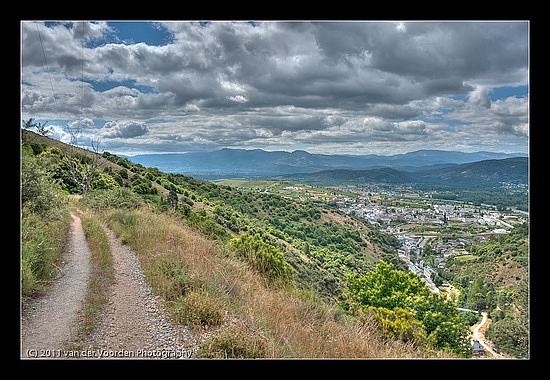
{"x": 252, "y": 319}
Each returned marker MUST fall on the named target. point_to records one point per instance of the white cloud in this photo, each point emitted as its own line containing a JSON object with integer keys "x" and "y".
{"x": 84, "y": 123}
{"x": 480, "y": 97}
{"x": 238, "y": 98}
{"x": 123, "y": 129}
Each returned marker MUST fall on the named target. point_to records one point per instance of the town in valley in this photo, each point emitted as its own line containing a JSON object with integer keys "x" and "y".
{"x": 421, "y": 222}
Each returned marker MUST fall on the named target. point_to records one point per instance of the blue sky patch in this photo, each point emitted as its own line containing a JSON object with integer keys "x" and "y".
{"x": 133, "y": 32}
{"x": 508, "y": 91}
{"x": 102, "y": 86}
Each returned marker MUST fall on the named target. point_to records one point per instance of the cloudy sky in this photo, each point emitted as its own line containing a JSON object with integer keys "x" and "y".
{"x": 349, "y": 87}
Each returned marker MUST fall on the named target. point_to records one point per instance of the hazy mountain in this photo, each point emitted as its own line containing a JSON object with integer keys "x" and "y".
{"x": 480, "y": 174}
{"x": 484, "y": 173}
{"x": 257, "y": 162}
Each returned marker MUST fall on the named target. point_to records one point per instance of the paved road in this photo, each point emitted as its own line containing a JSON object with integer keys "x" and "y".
{"x": 480, "y": 337}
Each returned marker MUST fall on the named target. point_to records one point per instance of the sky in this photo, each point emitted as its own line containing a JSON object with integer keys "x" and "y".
{"x": 330, "y": 87}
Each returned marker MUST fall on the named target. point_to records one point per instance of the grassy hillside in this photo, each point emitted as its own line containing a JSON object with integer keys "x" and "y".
{"x": 203, "y": 284}
{"x": 266, "y": 273}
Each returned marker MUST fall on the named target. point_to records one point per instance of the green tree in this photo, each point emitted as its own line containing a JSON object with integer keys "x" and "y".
{"x": 388, "y": 288}
{"x": 39, "y": 193}
{"x": 172, "y": 200}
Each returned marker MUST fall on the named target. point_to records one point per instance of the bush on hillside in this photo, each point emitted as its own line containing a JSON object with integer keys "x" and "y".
{"x": 44, "y": 224}
{"x": 262, "y": 257}
{"x": 117, "y": 198}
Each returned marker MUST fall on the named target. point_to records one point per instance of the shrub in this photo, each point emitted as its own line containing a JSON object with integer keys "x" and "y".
{"x": 235, "y": 341}
{"x": 197, "y": 309}
{"x": 262, "y": 257}
{"x": 117, "y": 198}
{"x": 44, "y": 224}
{"x": 39, "y": 193}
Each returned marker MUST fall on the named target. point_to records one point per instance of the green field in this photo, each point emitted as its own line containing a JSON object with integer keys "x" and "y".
{"x": 288, "y": 188}
{"x": 462, "y": 258}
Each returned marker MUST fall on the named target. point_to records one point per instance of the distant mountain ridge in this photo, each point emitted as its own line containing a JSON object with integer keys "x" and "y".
{"x": 479, "y": 174}
{"x": 257, "y": 162}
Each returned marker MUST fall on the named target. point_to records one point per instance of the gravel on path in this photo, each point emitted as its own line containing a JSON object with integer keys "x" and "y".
{"x": 134, "y": 324}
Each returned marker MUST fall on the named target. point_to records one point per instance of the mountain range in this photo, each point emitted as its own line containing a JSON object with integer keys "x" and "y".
{"x": 480, "y": 174}
{"x": 226, "y": 163}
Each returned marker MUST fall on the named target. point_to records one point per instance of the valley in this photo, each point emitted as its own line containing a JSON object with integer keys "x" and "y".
{"x": 438, "y": 238}
{"x": 318, "y": 240}
{"x": 249, "y": 189}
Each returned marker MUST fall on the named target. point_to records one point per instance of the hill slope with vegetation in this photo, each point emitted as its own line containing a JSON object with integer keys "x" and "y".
{"x": 494, "y": 276}
{"x": 291, "y": 274}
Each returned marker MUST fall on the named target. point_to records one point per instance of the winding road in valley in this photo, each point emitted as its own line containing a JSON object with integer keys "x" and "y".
{"x": 478, "y": 333}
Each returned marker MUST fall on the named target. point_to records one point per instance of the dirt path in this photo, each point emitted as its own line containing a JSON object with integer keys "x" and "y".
{"x": 133, "y": 325}
{"x": 49, "y": 320}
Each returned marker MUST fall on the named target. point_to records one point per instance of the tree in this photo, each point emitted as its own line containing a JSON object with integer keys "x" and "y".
{"x": 83, "y": 169}
{"x": 392, "y": 289}
{"x": 41, "y": 128}
{"x": 172, "y": 200}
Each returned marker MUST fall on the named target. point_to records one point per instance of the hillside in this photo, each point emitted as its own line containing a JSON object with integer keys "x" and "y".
{"x": 481, "y": 174}
{"x": 215, "y": 252}
{"x": 333, "y": 242}
{"x": 344, "y": 177}
{"x": 494, "y": 276}
{"x": 301, "y": 249}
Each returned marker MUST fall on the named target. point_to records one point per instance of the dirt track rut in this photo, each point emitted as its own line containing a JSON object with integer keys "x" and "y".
{"x": 49, "y": 320}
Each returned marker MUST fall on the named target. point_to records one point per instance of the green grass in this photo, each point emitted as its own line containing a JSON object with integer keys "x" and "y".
{"x": 41, "y": 245}
{"x": 463, "y": 258}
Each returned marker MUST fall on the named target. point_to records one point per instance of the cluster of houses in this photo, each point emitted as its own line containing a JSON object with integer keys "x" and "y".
{"x": 382, "y": 214}
{"x": 393, "y": 216}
